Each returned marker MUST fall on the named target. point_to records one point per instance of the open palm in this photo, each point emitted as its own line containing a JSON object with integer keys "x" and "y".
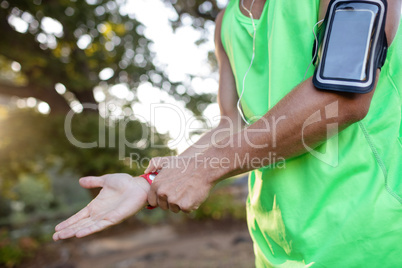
{"x": 121, "y": 197}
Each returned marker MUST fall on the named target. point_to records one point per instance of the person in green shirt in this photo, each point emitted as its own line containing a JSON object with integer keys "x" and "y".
{"x": 325, "y": 188}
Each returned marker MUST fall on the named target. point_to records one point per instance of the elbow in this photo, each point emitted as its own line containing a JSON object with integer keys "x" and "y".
{"x": 361, "y": 113}
{"x": 357, "y": 110}
{"x": 359, "y": 104}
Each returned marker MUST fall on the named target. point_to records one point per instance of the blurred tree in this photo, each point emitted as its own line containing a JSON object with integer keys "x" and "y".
{"x": 200, "y": 10}
{"x": 71, "y": 42}
{"x": 68, "y": 42}
{"x": 31, "y": 144}
{"x": 201, "y": 13}
{"x": 59, "y": 51}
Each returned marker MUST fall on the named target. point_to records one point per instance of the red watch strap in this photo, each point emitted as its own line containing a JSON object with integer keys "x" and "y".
{"x": 149, "y": 177}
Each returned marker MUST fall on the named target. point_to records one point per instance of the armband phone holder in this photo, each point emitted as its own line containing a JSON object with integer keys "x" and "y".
{"x": 351, "y": 45}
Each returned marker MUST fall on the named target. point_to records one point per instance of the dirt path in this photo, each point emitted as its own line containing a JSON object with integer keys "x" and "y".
{"x": 194, "y": 244}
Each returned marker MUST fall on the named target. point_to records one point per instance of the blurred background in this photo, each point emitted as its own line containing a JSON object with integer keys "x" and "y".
{"x": 62, "y": 58}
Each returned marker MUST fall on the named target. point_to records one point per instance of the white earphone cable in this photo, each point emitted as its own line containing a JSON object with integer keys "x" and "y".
{"x": 315, "y": 51}
{"x": 251, "y": 63}
{"x": 253, "y": 55}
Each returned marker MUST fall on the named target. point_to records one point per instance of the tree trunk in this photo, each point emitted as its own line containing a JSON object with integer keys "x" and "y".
{"x": 57, "y": 103}
{"x": 86, "y": 97}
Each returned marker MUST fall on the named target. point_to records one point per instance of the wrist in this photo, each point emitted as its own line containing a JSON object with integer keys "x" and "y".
{"x": 143, "y": 184}
{"x": 218, "y": 163}
{"x": 149, "y": 178}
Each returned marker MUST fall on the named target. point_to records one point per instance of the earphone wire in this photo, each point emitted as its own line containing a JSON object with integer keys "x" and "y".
{"x": 315, "y": 51}
{"x": 251, "y": 63}
{"x": 253, "y": 56}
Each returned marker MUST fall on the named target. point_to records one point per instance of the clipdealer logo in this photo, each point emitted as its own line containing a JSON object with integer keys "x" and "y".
{"x": 327, "y": 153}
{"x": 331, "y": 154}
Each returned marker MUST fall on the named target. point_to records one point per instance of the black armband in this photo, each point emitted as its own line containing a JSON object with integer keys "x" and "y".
{"x": 351, "y": 45}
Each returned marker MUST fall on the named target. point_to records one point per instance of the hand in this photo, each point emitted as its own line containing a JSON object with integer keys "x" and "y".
{"x": 180, "y": 184}
{"x": 121, "y": 197}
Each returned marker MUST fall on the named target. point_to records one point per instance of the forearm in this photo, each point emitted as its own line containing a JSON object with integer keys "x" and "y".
{"x": 288, "y": 129}
{"x": 226, "y": 128}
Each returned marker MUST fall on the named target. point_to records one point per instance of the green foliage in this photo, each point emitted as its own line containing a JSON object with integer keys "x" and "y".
{"x": 202, "y": 11}
{"x": 5, "y": 207}
{"x": 226, "y": 201}
{"x": 11, "y": 255}
{"x": 8, "y": 75}
{"x": 35, "y": 193}
{"x": 221, "y": 205}
{"x": 114, "y": 40}
{"x": 13, "y": 252}
{"x": 31, "y": 144}
{"x": 57, "y": 58}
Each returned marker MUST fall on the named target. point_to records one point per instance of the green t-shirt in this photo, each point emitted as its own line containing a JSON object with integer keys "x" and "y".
{"x": 343, "y": 208}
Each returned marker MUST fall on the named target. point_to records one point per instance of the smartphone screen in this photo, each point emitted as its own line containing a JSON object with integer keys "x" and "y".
{"x": 348, "y": 45}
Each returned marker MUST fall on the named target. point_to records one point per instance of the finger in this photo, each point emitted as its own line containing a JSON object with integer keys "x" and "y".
{"x": 185, "y": 209}
{"x": 76, "y": 226}
{"x": 152, "y": 198}
{"x": 154, "y": 165}
{"x": 55, "y": 236}
{"x": 174, "y": 208}
{"x": 83, "y": 213}
{"x": 72, "y": 230}
{"x": 188, "y": 209}
{"x": 162, "y": 202}
{"x": 96, "y": 227}
{"x": 92, "y": 182}
{"x": 150, "y": 168}
{"x": 64, "y": 234}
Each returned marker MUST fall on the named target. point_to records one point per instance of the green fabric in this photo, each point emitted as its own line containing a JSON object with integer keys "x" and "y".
{"x": 346, "y": 212}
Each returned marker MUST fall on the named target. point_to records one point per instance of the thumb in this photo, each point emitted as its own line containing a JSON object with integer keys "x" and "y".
{"x": 154, "y": 165}
{"x": 152, "y": 197}
{"x": 92, "y": 182}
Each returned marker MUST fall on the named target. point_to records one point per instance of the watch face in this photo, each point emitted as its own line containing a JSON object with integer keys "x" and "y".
{"x": 152, "y": 177}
